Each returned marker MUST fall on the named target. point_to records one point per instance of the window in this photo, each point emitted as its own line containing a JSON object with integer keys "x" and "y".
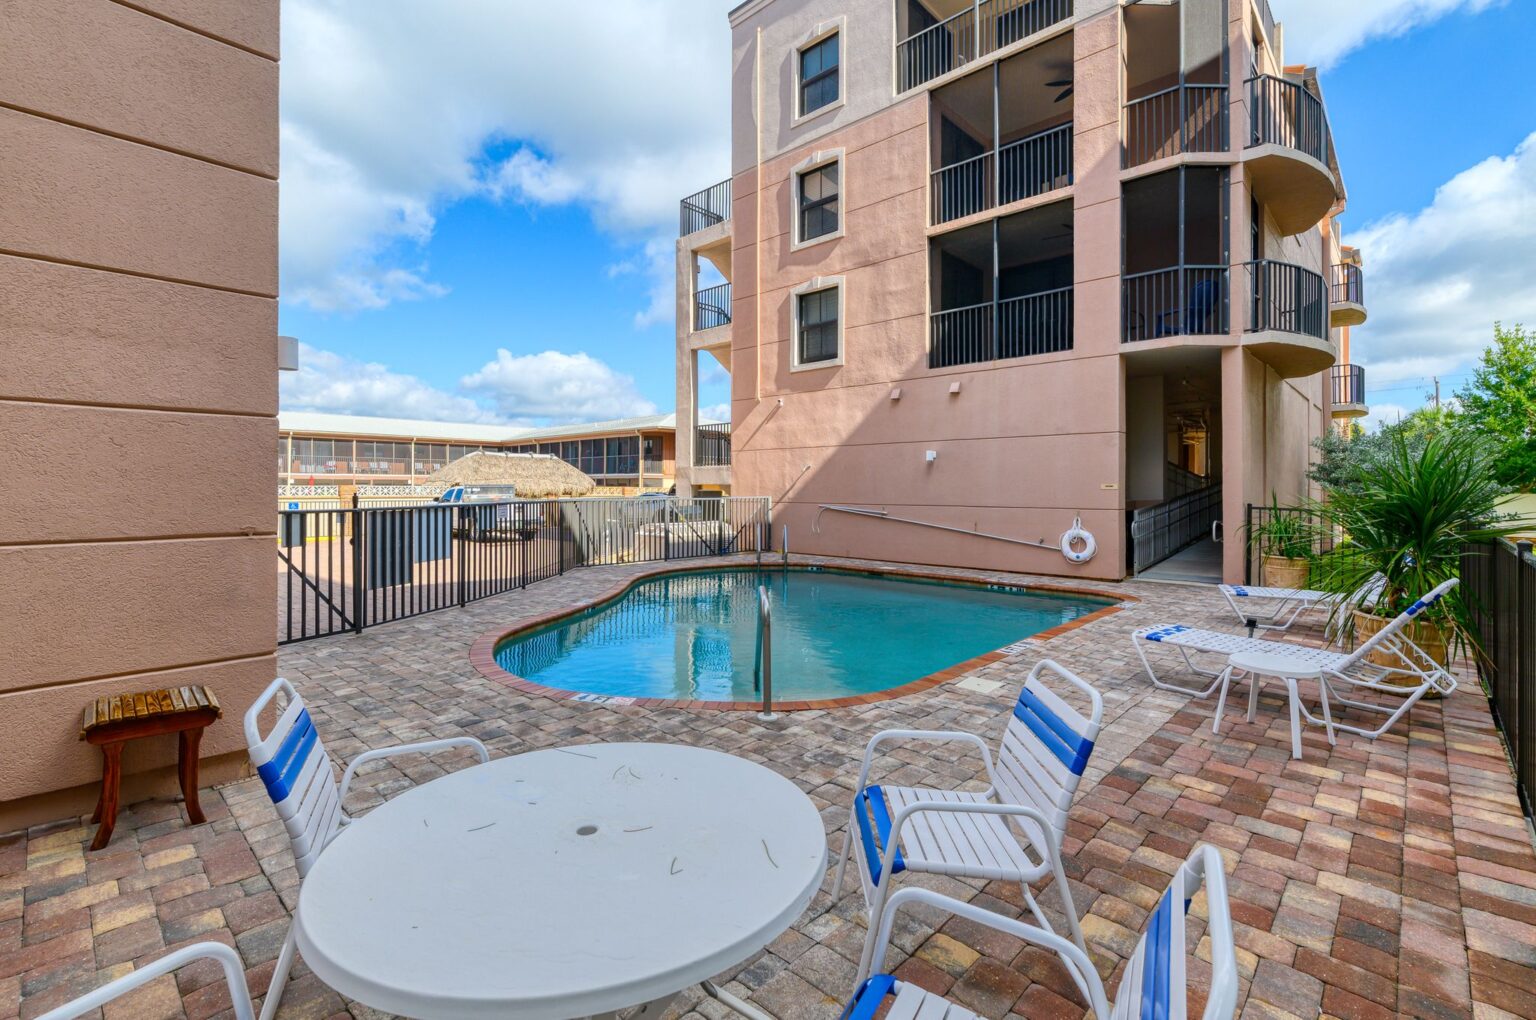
{"x": 818, "y": 202}
{"x": 818, "y": 75}
{"x": 817, "y": 326}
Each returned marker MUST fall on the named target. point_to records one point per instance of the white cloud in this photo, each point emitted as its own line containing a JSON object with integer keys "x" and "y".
{"x": 1436, "y": 280}
{"x": 1323, "y": 32}
{"x": 556, "y": 387}
{"x": 390, "y": 106}
{"x": 715, "y": 412}
{"x": 333, "y": 382}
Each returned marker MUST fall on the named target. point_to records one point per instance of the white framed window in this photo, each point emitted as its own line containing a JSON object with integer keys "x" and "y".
{"x": 819, "y": 71}
{"x": 816, "y": 324}
{"x": 817, "y": 199}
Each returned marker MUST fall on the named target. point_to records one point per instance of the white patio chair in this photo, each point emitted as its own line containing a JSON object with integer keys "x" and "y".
{"x": 1155, "y": 981}
{"x": 1341, "y": 670}
{"x": 1275, "y": 609}
{"x": 1039, "y": 765}
{"x": 225, "y": 957}
{"x": 300, "y": 779}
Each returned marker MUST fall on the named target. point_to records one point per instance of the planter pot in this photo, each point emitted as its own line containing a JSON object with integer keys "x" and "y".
{"x": 1286, "y": 571}
{"x": 1426, "y": 635}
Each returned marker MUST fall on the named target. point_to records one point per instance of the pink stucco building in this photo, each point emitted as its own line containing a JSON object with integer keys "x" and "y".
{"x": 990, "y": 267}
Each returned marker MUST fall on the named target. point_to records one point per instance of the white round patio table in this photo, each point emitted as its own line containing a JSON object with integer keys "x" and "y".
{"x": 566, "y": 882}
{"x": 1289, "y": 671}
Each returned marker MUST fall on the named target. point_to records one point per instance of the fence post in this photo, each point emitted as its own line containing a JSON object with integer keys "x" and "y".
{"x": 1520, "y": 741}
{"x": 461, "y": 540}
{"x": 359, "y": 582}
{"x": 1248, "y": 552}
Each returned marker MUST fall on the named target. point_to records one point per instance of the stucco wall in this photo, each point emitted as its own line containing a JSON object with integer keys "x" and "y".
{"x": 138, "y": 283}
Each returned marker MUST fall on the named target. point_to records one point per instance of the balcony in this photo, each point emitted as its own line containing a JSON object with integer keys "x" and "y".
{"x": 1031, "y": 166}
{"x": 712, "y": 307}
{"x": 1288, "y": 153}
{"x": 1188, "y": 300}
{"x": 951, "y": 40}
{"x": 1347, "y": 304}
{"x": 1288, "y": 318}
{"x": 1184, "y": 118}
{"x": 712, "y": 445}
{"x": 705, "y": 208}
{"x": 1016, "y": 327}
{"x": 1348, "y": 391}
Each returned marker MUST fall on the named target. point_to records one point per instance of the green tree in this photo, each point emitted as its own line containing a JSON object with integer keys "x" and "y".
{"x": 1499, "y": 401}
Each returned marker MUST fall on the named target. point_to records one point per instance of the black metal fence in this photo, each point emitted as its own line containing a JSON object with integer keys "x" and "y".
{"x": 1320, "y": 539}
{"x": 1188, "y": 300}
{"x": 1500, "y": 583}
{"x": 1013, "y": 328}
{"x": 1288, "y": 298}
{"x": 1184, "y": 118}
{"x": 1348, "y": 284}
{"x": 705, "y": 208}
{"x": 975, "y": 31}
{"x": 343, "y": 570}
{"x": 712, "y": 445}
{"x": 712, "y": 307}
{"x": 1348, "y": 384}
{"x": 1283, "y": 113}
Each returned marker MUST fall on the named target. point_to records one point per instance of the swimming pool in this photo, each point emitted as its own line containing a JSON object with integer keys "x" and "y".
{"x": 836, "y": 634}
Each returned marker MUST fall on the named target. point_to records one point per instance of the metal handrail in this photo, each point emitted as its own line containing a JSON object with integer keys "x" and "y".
{"x": 1288, "y": 298}
{"x": 1348, "y": 384}
{"x": 1284, "y": 113}
{"x": 1188, "y": 117}
{"x": 765, "y": 648}
{"x": 712, "y": 307}
{"x": 705, "y": 208}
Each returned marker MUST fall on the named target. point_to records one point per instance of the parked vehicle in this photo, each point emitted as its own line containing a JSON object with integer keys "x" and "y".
{"x": 495, "y": 513}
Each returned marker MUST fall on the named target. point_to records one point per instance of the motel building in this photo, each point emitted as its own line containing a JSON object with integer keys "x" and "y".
{"x": 985, "y": 270}
{"x": 351, "y": 450}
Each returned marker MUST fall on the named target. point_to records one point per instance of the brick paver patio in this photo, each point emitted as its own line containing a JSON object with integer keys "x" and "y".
{"x": 1373, "y": 880}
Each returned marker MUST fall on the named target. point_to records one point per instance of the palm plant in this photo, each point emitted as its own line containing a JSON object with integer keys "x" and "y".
{"x": 1411, "y": 519}
{"x": 1285, "y": 532}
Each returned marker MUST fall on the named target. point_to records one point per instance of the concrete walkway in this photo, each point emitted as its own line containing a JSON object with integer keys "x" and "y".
{"x": 1370, "y": 880}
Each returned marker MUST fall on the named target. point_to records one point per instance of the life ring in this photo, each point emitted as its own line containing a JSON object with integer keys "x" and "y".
{"x": 1073, "y": 535}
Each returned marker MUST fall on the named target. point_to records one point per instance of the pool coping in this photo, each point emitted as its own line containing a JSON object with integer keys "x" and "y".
{"x": 482, "y": 653}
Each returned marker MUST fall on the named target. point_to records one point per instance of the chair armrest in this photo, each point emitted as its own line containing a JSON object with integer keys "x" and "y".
{"x": 424, "y": 747}
{"x": 227, "y": 958}
{"x": 1075, "y": 959}
{"x": 933, "y": 736}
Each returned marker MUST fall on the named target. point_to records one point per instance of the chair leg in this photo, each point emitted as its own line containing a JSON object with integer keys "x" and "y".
{"x": 279, "y": 976}
{"x": 111, "y": 783}
{"x": 188, "y": 748}
{"x": 1322, "y": 687}
{"x": 1221, "y": 702}
{"x": 876, "y": 906}
{"x": 842, "y": 860}
{"x": 1294, "y": 696}
{"x": 1253, "y": 695}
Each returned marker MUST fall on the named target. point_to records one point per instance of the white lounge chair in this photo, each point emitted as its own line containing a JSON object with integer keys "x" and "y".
{"x": 1340, "y": 670}
{"x": 1039, "y": 765}
{"x": 1155, "y": 982}
{"x": 225, "y": 957}
{"x": 1259, "y": 608}
{"x": 301, "y": 781}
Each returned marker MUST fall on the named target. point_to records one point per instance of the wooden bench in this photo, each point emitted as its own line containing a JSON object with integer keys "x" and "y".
{"x": 109, "y": 723}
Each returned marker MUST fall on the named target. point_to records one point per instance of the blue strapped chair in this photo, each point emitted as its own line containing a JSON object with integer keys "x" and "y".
{"x": 1039, "y": 764}
{"x": 1154, "y": 984}
{"x": 301, "y": 781}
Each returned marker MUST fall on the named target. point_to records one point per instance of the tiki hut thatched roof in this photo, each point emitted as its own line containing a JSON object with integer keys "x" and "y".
{"x": 533, "y": 475}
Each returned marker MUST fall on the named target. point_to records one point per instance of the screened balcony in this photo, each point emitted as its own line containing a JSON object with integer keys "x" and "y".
{"x": 939, "y": 36}
{"x": 1174, "y": 278}
{"x": 1003, "y": 134}
{"x": 1175, "y": 82}
{"x": 1002, "y": 289}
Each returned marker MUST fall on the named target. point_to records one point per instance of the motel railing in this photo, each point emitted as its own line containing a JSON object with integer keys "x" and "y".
{"x": 341, "y": 570}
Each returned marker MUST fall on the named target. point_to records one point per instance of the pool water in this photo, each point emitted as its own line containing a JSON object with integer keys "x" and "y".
{"x": 695, "y": 635}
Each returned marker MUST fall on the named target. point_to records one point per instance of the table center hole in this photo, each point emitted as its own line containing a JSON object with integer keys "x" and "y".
{"x": 586, "y": 830}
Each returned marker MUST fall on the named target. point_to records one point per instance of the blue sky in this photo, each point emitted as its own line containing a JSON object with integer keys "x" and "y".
{"x": 476, "y": 228}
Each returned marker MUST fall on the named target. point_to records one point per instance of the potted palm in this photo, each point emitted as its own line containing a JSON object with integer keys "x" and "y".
{"x": 1284, "y": 540}
{"x": 1410, "y": 517}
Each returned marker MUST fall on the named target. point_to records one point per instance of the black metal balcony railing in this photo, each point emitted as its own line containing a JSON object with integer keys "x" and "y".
{"x": 1184, "y": 118}
{"x": 1034, "y": 165}
{"x": 1348, "y": 384}
{"x": 1021, "y": 169}
{"x": 1348, "y": 284}
{"x": 1012, "y": 328}
{"x": 1287, "y": 298}
{"x": 1178, "y": 301}
{"x": 705, "y": 208}
{"x": 987, "y": 26}
{"x": 712, "y": 307}
{"x": 712, "y": 445}
{"x": 1281, "y": 112}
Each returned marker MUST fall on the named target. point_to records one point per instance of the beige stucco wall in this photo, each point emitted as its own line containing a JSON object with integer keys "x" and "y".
{"x": 138, "y": 284}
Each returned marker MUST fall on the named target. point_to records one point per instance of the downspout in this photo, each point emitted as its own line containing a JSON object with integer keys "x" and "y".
{"x": 757, "y": 229}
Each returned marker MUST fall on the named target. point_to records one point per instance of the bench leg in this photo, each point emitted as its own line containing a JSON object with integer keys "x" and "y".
{"x": 186, "y": 769}
{"x": 106, "y": 806}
